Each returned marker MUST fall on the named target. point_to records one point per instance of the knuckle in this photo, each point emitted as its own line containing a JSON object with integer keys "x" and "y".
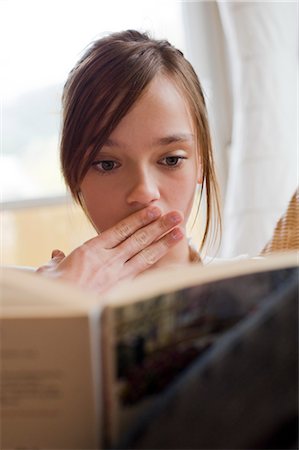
{"x": 83, "y": 249}
{"x": 149, "y": 256}
{"x": 167, "y": 241}
{"x": 165, "y": 245}
{"x": 163, "y": 223}
{"x": 82, "y": 253}
{"x": 122, "y": 230}
{"x": 143, "y": 218}
{"x": 140, "y": 238}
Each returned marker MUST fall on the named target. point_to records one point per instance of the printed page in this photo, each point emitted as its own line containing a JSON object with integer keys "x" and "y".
{"x": 47, "y": 382}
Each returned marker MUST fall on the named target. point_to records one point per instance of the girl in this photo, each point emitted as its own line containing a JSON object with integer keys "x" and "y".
{"x": 135, "y": 144}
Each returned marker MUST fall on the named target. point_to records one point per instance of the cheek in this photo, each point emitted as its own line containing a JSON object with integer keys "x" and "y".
{"x": 98, "y": 204}
{"x": 181, "y": 194}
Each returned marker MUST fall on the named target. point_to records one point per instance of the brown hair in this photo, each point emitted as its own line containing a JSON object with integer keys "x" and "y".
{"x": 103, "y": 86}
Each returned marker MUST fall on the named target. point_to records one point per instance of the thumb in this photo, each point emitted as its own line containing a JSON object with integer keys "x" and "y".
{"x": 58, "y": 255}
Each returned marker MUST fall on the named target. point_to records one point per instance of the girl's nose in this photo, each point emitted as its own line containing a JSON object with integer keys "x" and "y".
{"x": 143, "y": 190}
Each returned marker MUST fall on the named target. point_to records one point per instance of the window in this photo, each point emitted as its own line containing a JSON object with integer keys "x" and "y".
{"x": 43, "y": 40}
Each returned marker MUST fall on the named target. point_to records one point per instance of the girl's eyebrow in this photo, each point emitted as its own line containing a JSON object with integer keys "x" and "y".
{"x": 166, "y": 140}
{"x": 175, "y": 138}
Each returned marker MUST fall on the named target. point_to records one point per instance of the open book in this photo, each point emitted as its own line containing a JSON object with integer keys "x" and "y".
{"x": 80, "y": 371}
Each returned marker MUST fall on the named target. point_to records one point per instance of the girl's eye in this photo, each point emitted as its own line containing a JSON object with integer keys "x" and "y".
{"x": 172, "y": 161}
{"x": 105, "y": 166}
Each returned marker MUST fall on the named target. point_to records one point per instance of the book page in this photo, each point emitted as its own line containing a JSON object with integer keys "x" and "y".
{"x": 149, "y": 343}
{"x": 23, "y": 289}
{"x": 155, "y": 282}
{"x": 47, "y": 383}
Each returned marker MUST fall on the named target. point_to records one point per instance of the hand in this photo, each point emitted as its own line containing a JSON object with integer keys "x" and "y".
{"x": 122, "y": 252}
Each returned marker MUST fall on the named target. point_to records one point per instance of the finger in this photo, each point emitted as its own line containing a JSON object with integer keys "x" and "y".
{"x": 145, "y": 236}
{"x": 57, "y": 257}
{"x": 151, "y": 254}
{"x": 56, "y": 253}
{"x": 124, "y": 229}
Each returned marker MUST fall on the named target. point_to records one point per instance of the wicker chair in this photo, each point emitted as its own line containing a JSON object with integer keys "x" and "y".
{"x": 286, "y": 232}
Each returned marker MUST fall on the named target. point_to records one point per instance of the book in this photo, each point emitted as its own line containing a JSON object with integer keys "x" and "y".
{"x": 84, "y": 371}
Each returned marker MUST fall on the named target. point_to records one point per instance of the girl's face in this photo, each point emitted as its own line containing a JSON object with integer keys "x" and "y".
{"x": 150, "y": 158}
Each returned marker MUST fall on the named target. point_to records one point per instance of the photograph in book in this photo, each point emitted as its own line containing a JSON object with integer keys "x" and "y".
{"x": 149, "y": 343}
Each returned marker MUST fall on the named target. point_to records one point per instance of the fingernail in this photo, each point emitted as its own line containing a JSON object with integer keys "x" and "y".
{"x": 153, "y": 213}
{"x": 176, "y": 234}
{"x": 174, "y": 218}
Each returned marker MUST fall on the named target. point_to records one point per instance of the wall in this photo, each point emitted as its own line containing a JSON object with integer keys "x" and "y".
{"x": 30, "y": 234}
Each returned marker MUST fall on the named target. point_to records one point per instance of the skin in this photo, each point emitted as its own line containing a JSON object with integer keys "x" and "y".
{"x": 138, "y": 189}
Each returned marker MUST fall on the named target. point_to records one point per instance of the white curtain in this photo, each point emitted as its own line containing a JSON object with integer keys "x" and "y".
{"x": 246, "y": 55}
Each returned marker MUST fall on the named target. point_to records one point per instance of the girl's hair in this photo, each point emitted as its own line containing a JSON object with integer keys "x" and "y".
{"x": 102, "y": 87}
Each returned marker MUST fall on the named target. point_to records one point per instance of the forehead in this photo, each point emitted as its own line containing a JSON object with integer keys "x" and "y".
{"x": 162, "y": 110}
